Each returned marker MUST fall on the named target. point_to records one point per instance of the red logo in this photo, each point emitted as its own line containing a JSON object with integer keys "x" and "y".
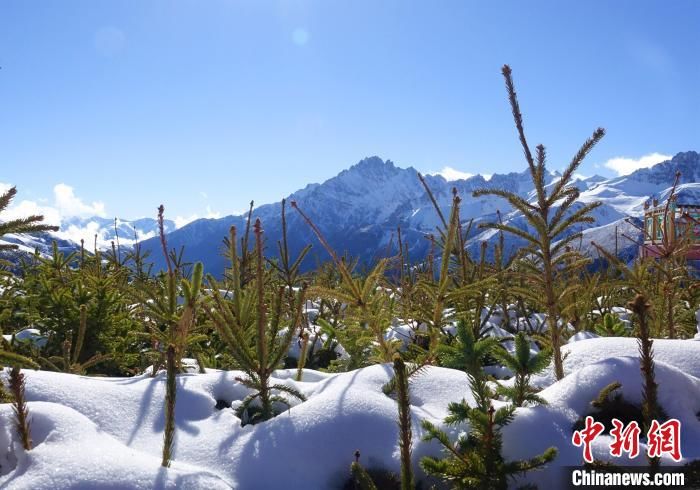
{"x": 625, "y": 439}
{"x": 661, "y": 438}
{"x": 586, "y": 436}
{"x": 665, "y": 438}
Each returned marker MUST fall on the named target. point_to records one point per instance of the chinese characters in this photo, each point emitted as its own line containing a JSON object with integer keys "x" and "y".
{"x": 661, "y": 438}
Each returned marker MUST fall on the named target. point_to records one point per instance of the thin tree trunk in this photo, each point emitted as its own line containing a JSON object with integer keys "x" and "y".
{"x": 405, "y": 432}
{"x": 650, "y": 406}
{"x": 20, "y": 407}
{"x": 554, "y": 333}
{"x": 170, "y": 394}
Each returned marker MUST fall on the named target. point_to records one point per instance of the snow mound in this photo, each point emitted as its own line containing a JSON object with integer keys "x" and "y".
{"x": 107, "y": 433}
{"x": 537, "y": 428}
{"x": 70, "y": 451}
{"x": 121, "y": 421}
{"x": 582, "y": 335}
{"x": 683, "y": 354}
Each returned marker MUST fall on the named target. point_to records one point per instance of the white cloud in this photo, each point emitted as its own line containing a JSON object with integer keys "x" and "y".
{"x": 69, "y": 205}
{"x": 181, "y": 221}
{"x": 87, "y": 233}
{"x": 212, "y": 214}
{"x": 451, "y": 174}
{"x": 624, "y": 165}
{"x": 26, "y": 208}
{"x": 65, "y": 205}
{"x": 91, "y": 229}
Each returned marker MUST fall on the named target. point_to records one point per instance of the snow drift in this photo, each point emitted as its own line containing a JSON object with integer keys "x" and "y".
{"x": 107, "y": 432}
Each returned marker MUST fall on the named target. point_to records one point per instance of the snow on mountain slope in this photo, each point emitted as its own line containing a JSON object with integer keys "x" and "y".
{"x": 628, "y": 193}
{"x": 621, "y": 198}
{"x": 27, "y": 244}
{"x": 23, "y": 243}
{"x": 622, "y": 202}
{"x": 94, "y": 231}
{"x": 621, "y": 236}
{"x": 127, "y": 232}
{"x": 661, "y": 175}
{"x": 360, "y": 209}
{"x": 601, "y": 230}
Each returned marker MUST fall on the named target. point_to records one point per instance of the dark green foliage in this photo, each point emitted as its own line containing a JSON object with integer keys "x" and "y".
{"x": 610, "y": 326}
{"x": 381, "y": 478}
{"x": 171, "y": 324}
{"x": 30, "y": 224}
{"x": 79, "y": 302}
{"x": 368, "y": 303}
{"x": 19, "y": 405}
{"x": 461, "y": 284}
{"x": 321, "y": 355}
{"x": 288, "y": 270}
{"x": 69, "y": 361}
{"x": 523, "y": 364}
{"x": 11, "y": 353}
{"x": 5, "y": 396}
{"x": 355, "y": 339}
{"x": 107, "y": 313}
{"x": 603, "y": 397}
{"x": 467, "y": 353}
{"x": 9, "y": 358}
{"x": 361, "y": 479}
{"x": 475, "y": 460}
{"x": 168, "y": 307}
{"x": 250, "y": 323}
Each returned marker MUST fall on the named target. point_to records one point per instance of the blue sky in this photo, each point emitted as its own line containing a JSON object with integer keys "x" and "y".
{"x": 204, "y": 105}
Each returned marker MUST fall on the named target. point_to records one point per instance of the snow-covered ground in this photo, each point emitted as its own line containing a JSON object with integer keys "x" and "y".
{"x": 107, "y": 432}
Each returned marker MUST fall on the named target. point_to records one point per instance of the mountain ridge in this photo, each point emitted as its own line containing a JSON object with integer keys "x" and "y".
{"x": 360, "y": 209}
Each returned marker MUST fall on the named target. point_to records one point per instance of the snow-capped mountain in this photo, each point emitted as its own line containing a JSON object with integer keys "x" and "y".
{"x": 359, "y": 212}
{"x": 95, "y": 231}
{"x": 360, "y": 209}
{"x": 622, "y": 199}
{"x": 107, "y": 230}
{"x": 27, "y": 244}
